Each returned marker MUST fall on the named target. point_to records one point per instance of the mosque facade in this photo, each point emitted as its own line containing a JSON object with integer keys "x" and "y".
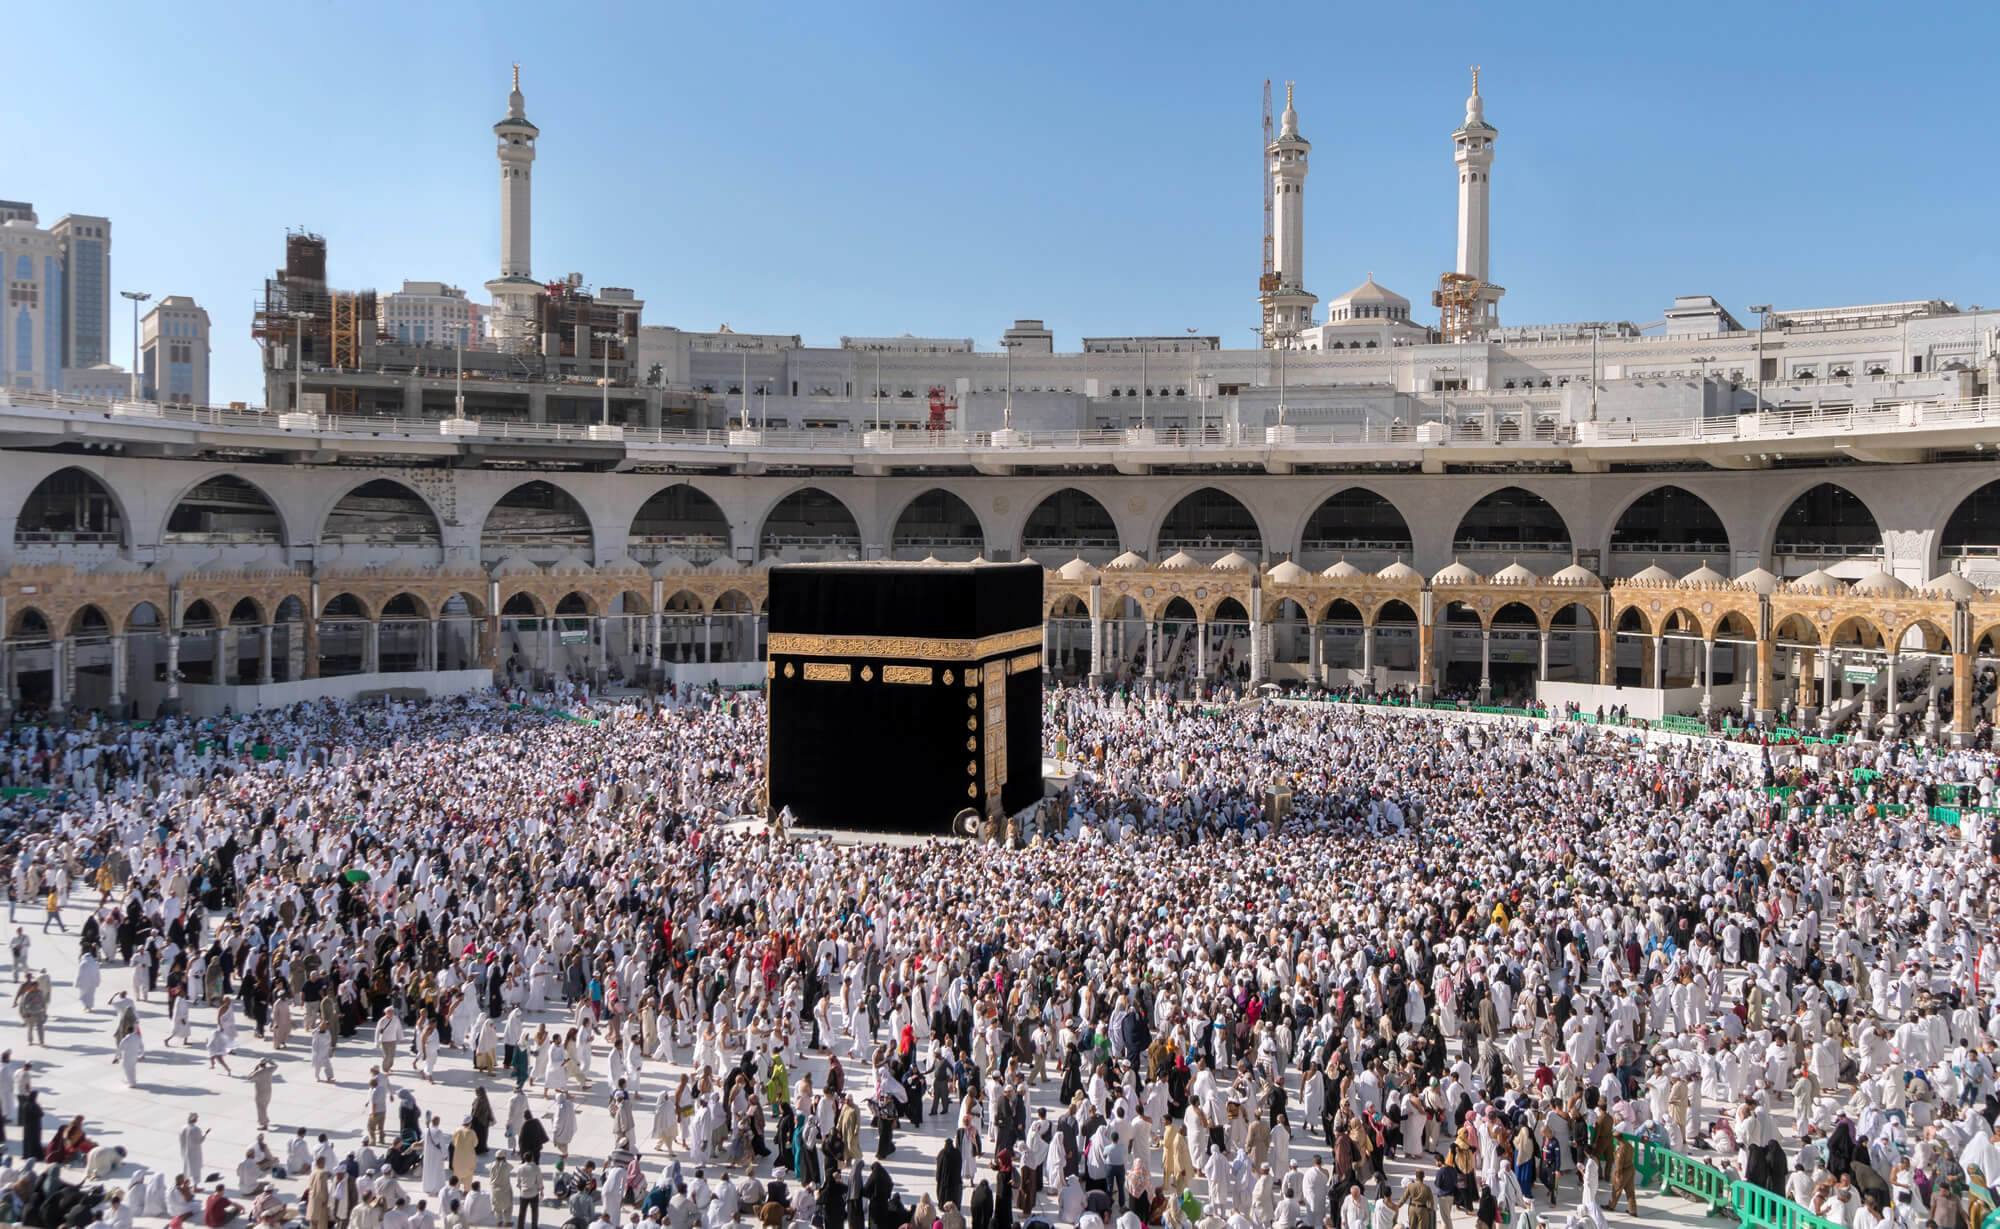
{"x": 1799, "y": 519}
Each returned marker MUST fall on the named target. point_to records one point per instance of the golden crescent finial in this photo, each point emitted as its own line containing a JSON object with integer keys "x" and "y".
{"x": 1475, "y": 78}
{"x": 517, "y": 76}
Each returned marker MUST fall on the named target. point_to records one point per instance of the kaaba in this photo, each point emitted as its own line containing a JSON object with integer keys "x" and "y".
{"x": 904, "y": 694}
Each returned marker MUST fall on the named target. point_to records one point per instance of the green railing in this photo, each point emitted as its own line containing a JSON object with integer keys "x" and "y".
{"x": 1697, "y": 1181}
{"x": 1760, "y": 1209}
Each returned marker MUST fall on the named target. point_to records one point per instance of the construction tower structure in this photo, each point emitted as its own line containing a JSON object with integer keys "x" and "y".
{"x": 1460, "y": 299}
{"x": 1269, "y": 281}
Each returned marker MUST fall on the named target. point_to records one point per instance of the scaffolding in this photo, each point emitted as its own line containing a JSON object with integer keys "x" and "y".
{"x": 324, "y": 328}
{"x": 1458, "y": 298}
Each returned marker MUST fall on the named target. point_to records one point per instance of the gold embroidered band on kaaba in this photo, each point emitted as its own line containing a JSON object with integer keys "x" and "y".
{"x": 902, "y": 648}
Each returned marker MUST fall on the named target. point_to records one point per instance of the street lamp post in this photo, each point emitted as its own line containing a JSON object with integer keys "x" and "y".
{"x": 1144, "y": 392}
{"x": 878, "y": 390}
{"x": 1763, "y": 311}
{"x": 1596, "y": 331}
{"x": 299, "y": 319}
{"x": 458, "y": 377}
{"x": 137, "y": 298}
{"x": 1194, "y": 377}
{"x": 1007, "y": 407}
{"x": 763, "y": 403}
{"x": 1976, "y": 309}
{"x": 604, "y": 338}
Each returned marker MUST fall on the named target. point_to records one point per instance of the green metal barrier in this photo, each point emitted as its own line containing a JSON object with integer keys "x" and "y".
{"x": 1760, "y": 1209}
{"x": 1697, "y": 1181}
{"x": 1945, "y": 815}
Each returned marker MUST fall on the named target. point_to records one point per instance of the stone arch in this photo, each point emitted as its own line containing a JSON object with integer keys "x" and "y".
{"x": 1796, "y": 628}
{"x": 1209, "y": 519}
{"x": 89, "y": 619}
{"x": 473, "y": 606}
{"x": 1631, "y": 619}
{"x": 246, "y": 611}
{"x": 28, "y": 622}
{"x": 809, "y": 518}
{"x": 934, "y": 519}
{"x": 575, "y": 604}
{"x": 405, "y": 605}
{"x": 72, "y": 506}
{"x": 200, "y": 613}
{"x": 1681, "y": 619}
{"x": 521, "y": 602}
{"x": 1342, "y": 612}
{"x": 732, "y": 601}
{"x": 683, "y": 520}
{"x": 1973, "y": 528}
{"x": 1226, "y": 608}
{"x": 1070, "y": 521}
{"x": 1378, "y": 524}
{"x": 1534, "y": 618}
{"x": 227, "y": 507}
{"x": 683, "y": 601}
{"x": 145, "y": 616}
{"x": 1178, "y": 607}
{"x": 1931, "y": 631}
{"x": 538, "y": 516}
{"x": 344, "y": 605}
{"x": 1392, "y": 611}
{"x": 1066, "y": 606}
{"x": 382, "y": 511}
{"x": 1867, "y": 633}
{"x": 1668, "y": 519}
{"x": 1516, "y": 518}
{"x": 1825, "y": 520}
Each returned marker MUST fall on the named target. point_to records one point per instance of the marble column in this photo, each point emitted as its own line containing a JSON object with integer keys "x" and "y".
{"x": 119, "y": 667}
{"x": 58, "y": 677}
{"x": 173, "y": 665}
{"x": 264, "y": 637}
{"x": 1485, "y": 663}
{"x": 1542, "y": 672}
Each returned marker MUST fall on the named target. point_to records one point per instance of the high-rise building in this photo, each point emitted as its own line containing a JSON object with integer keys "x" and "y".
{"x": 173, "y": 353}
{"x": 86, "y": 315}
{"x": 432, "y": 313}
{"x": 31, "y": 309}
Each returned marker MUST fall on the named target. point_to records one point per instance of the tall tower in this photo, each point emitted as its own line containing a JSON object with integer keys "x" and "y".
{"x": 515, "y": 289}
{"x": 1472, "y": 150}
{"x": 1290, "y": 304}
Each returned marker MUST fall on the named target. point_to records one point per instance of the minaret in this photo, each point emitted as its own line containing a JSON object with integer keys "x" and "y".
{"x": 1291, "y": 304}
{"x": 1472, "y": 150}
{"x": 514, "y": 290}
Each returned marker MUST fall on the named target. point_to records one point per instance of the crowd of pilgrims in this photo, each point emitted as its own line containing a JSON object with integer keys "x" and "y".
{"x": 1272, "y": 964}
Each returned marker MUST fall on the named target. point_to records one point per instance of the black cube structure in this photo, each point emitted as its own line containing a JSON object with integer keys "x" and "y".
{"x": 902, "y": 694}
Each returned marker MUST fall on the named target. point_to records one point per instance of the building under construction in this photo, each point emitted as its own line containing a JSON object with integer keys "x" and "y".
{"x": 315, "y": 325}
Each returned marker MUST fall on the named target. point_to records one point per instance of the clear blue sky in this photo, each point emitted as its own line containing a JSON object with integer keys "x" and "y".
{"x": 941, "y": 169}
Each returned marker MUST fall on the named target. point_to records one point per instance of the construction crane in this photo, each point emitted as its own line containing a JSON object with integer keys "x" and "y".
{"x": 1269, "y": 281}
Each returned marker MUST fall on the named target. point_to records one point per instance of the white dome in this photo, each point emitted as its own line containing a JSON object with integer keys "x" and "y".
{"x": 516, "y": 565}
{"x": 1027, "y": 559}
{"x": 1816, "y": 581}
{"x": 671, "y": 563}
{"x": 1399, "y": 571}
{"x": 1125, "y": 563}
{"x": 1760, "y": 580}
{"x": 1231, "y": 562}
{"x": 1286, "y": 573}
{"x": 1575, "y": 574}
{"x": 1880, "y": 584}
{"x": 1179, "y": 561}
{"x": 1342, "y": 570}
{"x": 117, "y": 565}
{"x": 1456, "y": 573}
{"x": 1076, "y": 569}
{"x": 1370, "y": 292}
{"x": 721, "y": 563}
{"x": 571, "y": 562}
{"x": 1704, "y": 575}
{"x": 1654, "y": 575}
{"x": 1953, "y": 586}
{"x": 624, "y": 563}
{"x": 1515, "y": 574}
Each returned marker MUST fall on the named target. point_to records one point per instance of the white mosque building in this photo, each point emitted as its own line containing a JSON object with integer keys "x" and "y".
{"x": 1692, "y": 513}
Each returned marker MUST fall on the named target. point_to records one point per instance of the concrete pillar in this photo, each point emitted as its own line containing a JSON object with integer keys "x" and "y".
{"x": 295, "y": 651}
{"x": 1426, "y": 665}
{"x": 1200, "y": 655}
{"x": 1316, "y": 653}
{"x": 549, "y": 646}
{"x": 119, "y": 670}
{"x": 371, "y": 647}
{"x": 1257, "y": 641}
{"x": 708, "y": 637}
{"x": 173, "y": 665}
{"x": 1961, "y": 698}
{"x": 6, "y": 680}
{"x": 1050, "y": 631}
{"x": 264, "y": 637}
{"x": 1368, "y": 653}
{"x": 657, "y": 660}
{"x": 433, "y": 635}
{"x": 58, "y": 677}
{"x": 1659, "y": 662}
{"x": 1763, "y": 682}
{"x": 600, "y": 649}
{"x": 538, "y": 405}
{"x": 1542, "y": 671}
{"x": 413, "y": 398}
{"x": 222, "y": 657}
{"x": 1889, "y": 693}
{"x": 1707, "y": 677}
{"x": 1827, "y": 694}
{"x": 1485, "y": 662}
